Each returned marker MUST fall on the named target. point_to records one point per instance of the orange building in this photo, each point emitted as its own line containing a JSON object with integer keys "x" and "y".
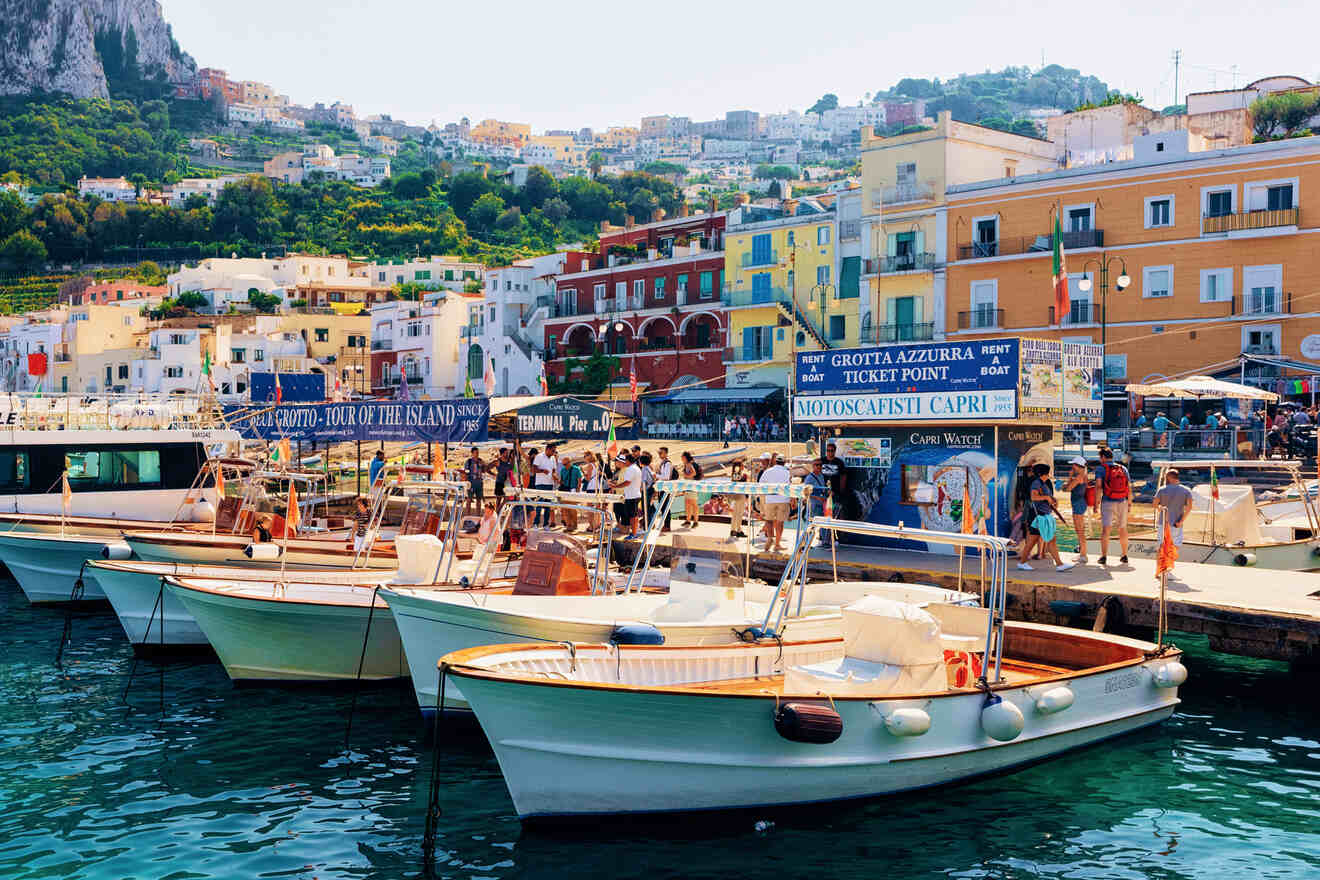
{"x": 1218, "y": 248}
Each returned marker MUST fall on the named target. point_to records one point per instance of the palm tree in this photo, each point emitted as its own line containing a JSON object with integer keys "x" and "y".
{"x": 595, "y": 162}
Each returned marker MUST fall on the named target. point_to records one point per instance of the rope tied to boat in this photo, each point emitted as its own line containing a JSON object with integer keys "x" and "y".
{"x": 75, "y": 595}
{"x": 433, "y": 811}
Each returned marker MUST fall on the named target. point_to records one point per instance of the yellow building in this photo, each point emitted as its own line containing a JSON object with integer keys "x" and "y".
{"x": 783, "y": 289}
{"x": 91, "y": 330}
{"x": 333, "y": 339}
{"x": 905, "y": 221}
{"x": 495, "y": 132}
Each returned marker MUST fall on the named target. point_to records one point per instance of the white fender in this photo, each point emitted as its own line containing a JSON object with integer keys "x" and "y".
{"x": 1056, "y": 699}
{"x": 907, "y": 722}
{"x": 1169, "y": 675}
{"x": 268, "y": 550}
{"x": 116, "y": 550}
{"x": 1244, "y": 558}
{"x": 1002, "y": 720}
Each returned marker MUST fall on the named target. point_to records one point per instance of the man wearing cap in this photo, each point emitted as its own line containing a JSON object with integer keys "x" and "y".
{"x": 630, "y": 481}
{"x": 1078, "y": 477}
{"x": 776, "y": 506}
{"x": 1115, "y": 491}
{"x": 1176, "y": 499}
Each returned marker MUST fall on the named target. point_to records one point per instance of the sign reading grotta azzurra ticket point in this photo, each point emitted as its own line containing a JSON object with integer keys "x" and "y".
{"x": 937, "y": 381}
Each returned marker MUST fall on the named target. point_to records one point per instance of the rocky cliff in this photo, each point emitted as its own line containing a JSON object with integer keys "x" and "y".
{"x": 81, "y": 47}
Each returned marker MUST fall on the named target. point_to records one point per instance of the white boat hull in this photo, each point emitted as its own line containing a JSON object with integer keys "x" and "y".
{"x": 1291, "y": 556}
{"x": 47, "y": 566}
{"x": 228, "y": 550}
{"x": 264, "y": 640}
{"x": 568, "y": 751}
{"x": 433, "y": 625}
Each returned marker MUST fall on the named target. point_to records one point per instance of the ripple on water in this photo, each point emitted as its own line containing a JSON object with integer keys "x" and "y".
{"x": 257, "y": 783}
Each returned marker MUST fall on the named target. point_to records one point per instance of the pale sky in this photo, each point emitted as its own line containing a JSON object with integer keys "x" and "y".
{"x": 568, "y": 65}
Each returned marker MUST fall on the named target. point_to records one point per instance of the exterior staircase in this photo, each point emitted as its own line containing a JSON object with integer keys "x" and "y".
{"x": 799, "y": 318}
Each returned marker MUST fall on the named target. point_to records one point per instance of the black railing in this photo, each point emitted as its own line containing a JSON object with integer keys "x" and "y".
{"x": 1251, "y": 220}
{"x": 1030, "y": 244}
{"x": 1276, "y": 303}
{"x": 922, "y": 262}
{"x": 981, "y": 319}
{"x": 885, "y": 333}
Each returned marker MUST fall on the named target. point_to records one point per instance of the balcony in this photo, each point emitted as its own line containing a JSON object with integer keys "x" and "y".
{"x": 1030, "y": 244}
{"x": 382, "y": 345}
{"x": 752, "y": 260}
{"x": 884, "y": 334}
{"x": 768, "y": 296}
{"x": 911, "y": 191}
{"x": 981, "y": 319}
{"x": 923, "y": 262}
{"x": 742, "y": 354}
{"x": 1079, "y": 313}
{"x": 470, "y": 332}
{"x": 850, "y": 230}
{"x": 1250, "y": 220}
{"x": 1268, "y": 302}
{"x": 1266, "y": 348}
{"x": 63, "y": 357}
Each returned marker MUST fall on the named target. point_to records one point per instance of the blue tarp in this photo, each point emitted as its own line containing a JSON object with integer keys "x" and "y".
{"x": 370, "y": 421}
{"x": 294, "y": 387}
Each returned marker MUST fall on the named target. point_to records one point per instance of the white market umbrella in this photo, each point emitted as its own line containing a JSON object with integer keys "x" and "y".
{"x": 1202, "y": 386}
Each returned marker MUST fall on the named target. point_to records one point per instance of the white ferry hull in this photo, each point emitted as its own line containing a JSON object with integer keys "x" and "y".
{"x": 570, "y": 751}
{"x": 261, "y": 640}
{"x": 47, "y": 566}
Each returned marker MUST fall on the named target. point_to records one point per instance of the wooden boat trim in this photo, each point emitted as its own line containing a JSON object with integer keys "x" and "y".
{"x": 299, "y": 545}
{"x": 190, "y": 583}
{"x": 460, "y": 666}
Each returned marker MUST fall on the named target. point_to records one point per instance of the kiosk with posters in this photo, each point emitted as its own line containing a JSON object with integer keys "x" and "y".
{"x": 926, "y": 430}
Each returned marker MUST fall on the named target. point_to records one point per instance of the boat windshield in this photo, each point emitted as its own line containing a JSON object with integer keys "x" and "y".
{"x": 702, "y": 561}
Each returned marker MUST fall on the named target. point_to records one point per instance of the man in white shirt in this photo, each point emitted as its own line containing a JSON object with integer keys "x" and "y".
{"x": 544, "y": 467}
{"x": 776, "y": 506}
{"x": 630, "y": 481}
{"x": 664, "y": 470}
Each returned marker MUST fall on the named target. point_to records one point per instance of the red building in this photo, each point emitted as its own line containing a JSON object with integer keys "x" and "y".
{"x": 104, "y": 292}
{"x": 650, "y": 297}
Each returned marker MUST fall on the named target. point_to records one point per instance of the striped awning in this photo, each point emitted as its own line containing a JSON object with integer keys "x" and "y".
{"x": 729, "y": 487}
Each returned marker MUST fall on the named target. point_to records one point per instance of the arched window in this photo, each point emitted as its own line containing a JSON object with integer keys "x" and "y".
{"x": 476, "y": 362}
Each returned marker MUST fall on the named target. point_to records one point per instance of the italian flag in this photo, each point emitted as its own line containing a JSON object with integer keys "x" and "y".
{"x": 1061, "y": 303}
{"x": 1214, "y": 484}
{"x": 611, "y": 444}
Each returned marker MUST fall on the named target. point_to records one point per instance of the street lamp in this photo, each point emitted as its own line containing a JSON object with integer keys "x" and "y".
{"x": 1120, "y": 284}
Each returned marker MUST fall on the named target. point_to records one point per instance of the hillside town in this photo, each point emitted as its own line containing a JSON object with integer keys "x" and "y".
{"x": 1197, "y": 230}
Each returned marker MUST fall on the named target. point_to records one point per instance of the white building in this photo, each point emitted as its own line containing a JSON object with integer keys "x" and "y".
{"x": 207, "y": 187}
{"x": 110, "y": 189}
{"x": 506, "y": 325}
{"x": 844, "y": 123}
{"x": 418, "y": 341}
{"x": 292, "y": 167}
{"x": 41, "y": 333}
{"x": 447, "y": 273}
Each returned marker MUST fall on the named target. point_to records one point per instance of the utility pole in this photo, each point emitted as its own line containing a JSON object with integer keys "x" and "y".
{"x": 1177, "y": 61}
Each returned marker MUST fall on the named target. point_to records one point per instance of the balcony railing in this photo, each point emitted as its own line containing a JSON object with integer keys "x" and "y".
{"x": 749, "y": 260}
{"x": 981, "y": 319}
{"x": 1268, "y": 348}
{"x": 63, "y": 357}
{"x": 1030, "y": 244}
{"x": 763, "y": 297}
{"x": 922, "y": 262}
{"x": 1251, "y": 220}
{"x": 1266, "y": 303}
{"x": 1079, "y": 313}
{"x": 883, "y": 334}
{"x": 908, "y": 192}
{"x": 382, "y": 345}
{"x": 850, "y": 229}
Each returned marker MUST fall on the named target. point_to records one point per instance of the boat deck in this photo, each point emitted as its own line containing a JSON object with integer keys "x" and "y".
{"x": 1013, "y": 673}
{"x": 1251, "y": 612}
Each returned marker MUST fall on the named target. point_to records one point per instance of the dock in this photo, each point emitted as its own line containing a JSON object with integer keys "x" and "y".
{"x": 1261, "y": 613}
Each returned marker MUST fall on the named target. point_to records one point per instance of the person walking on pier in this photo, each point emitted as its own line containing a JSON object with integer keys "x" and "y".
{"x": 1076, "y": 488}
{"x": 1116, "y": 498}
{"x": 1176, "y": 499}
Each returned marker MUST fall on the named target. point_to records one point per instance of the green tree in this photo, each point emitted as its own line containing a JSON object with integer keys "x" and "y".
{"x": 539, "y": 187}
{"x": 13, "y": 213}
{"x": 411, "y": 186}
{"x": 595, "y": 162}
{"x": 556, "y": 210}
{"x": 139, "y": 181}
{"x": 485, "y": 211}
{"x": 247, "y": 210}
{"x": 774, "y": 172}
{"x": 262, "y": 302}
{"x": 192, "y": 300}
{"x": 509, "y": 219}
{"x": 828, "y": 101}
{"x": 24, "y": 250}
{"x": 665, "y": 169}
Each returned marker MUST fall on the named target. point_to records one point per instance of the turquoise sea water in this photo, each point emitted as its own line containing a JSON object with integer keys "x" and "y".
{"x": 243, "y": 783}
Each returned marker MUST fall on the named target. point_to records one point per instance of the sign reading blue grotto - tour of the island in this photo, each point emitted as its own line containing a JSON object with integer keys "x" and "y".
{"x": 430, "y": 421}
{"x": 940, "y": 381}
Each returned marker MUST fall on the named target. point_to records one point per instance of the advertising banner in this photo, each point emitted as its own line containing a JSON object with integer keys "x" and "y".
{"x": 1062, "y": 381}
{"x": 294, "y": 387}
{"x": 429, "y": 421}
{"x": 926, "y": 367}
{"x": 564, "y": 417}
{"x": 946, "y": 406}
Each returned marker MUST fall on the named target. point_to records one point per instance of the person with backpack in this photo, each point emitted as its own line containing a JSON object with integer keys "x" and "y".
{"x": 690, "y": 470}
{"x": 1115, "y": 500}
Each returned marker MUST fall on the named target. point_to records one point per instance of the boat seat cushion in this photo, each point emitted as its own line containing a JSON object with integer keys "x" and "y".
{"x": 849, "y": 676}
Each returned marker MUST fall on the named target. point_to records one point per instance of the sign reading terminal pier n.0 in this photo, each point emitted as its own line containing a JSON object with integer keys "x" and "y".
{"x": 940, "y": 381}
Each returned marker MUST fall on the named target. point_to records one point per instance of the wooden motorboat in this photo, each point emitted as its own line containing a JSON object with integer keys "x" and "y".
{"x": 902, "y": 698}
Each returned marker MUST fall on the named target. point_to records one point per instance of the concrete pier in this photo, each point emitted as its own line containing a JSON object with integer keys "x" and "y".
{"x": 1273, "y": 615}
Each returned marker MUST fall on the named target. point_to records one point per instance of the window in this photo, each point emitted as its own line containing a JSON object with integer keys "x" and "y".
{"x": 707, "y": 284}
{"x": 1279, "y": 198}
{"x": 178, "y": 339}
{"x": 985, "y": 305}
{"x": 422, "y": 275}
{"x": 258, "y": 354}
{"x": 762, "y": 254}
{"x": 660, "y": 287}
{"x": 1079, "y": 302}
{"x": 985, "y": 239}
{"x": 93, "y": 470}
{"x": 380, "y": 276}
{"x": 1260, "y": 340}
{"x": 174, "y": 372}
{"x": 822, "y": 274}
{"x": 905, "y": 173}
{"x": 639, "y": 288}
{"x": 449, "y": 276}
{"x": 109, "y": 376}
{"x": 1079, "y": 218}
{"x": 838, "y": 327}
{"x": 620, "y": 289}
{"x": 756, "y": 344}
{"x": 322, "y": 334}
{"x": 122, "y": 372}
{"x": 14, "y": 471}
{"x": 492, "y": 314}
{"x": 1262, "y": 290}
{"x": 119, "y": 294}
{"x": 238, "y": 355}
{"x": 1157, "y": 281}
{"x": 822, "y": 235}
{"x": 681, "y": 285}
{"x": 1216, "y": 285}
{"x": 1217, "y": 202}
{"x": 792, "y": 237}
{"x": 1159, "y": 211}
